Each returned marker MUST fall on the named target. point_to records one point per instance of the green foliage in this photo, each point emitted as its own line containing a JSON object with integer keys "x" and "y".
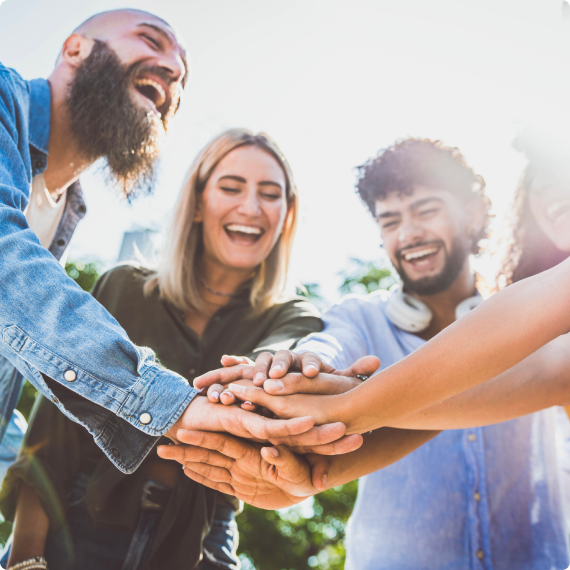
{"x": 366, "y": 277}
{"x": 84, "y": 274}
{"x": 309, "y": 535}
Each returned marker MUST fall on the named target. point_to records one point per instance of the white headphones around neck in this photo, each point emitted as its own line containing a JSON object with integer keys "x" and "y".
{"x": 411, "y": 315}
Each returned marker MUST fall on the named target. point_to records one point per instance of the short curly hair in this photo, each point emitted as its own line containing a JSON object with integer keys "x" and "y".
{"x": 421, "y": 161}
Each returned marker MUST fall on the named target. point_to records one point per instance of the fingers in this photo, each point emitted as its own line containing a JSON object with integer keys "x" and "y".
{"x": 290, "y": 467}
{"x": 265, "y": 428}
{"x": 296, "y": 383}
{"x": 282, "y": 361}
{"x": 222, "y": 487}
{"x": 261, "y": 368}
{"x": 192, "y": 454}
{"x": 214, "y": 392}
{"x": 224, "y": 444}
{"x": 231, "y": 360}
{"x": 319, "y": 471}
{"x": 343, "y": 445}
{"x": 365, "y": 366}
{"x": 224, "y": 375}
{"x": 317, "y": 436}
{"x": 311, "y": 364}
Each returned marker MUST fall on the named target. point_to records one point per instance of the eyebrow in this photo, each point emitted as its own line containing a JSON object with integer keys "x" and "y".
{"x": 243, "y": 181}
{"x": 417, "y": 204}
{"x": 162, "y": 32}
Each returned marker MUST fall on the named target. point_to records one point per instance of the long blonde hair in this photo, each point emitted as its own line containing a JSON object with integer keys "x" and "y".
{"x": 177, "y": 275}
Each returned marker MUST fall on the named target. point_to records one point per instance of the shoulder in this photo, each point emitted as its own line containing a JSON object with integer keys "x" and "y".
{"x": 373, "y": 301}
{"x": 126, "y": 279}
{"x": 11, "y": 82}
{"x": 296, "y": 307}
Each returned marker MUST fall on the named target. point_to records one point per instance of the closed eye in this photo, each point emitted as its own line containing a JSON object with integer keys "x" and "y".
{"x": 271, "y": 196}
{"x": 231, "y": 190}
{"x": 154, "y": 42}
{"x": 429, "y": 211}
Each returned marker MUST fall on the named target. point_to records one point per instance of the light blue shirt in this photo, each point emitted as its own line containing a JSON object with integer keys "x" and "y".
{"x": 56, "y": 335}
{"x": 486, "y": 498}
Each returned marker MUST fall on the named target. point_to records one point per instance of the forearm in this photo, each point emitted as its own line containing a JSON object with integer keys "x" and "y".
{"x": 30, "y": 527}
{"x": 501, "y": 332}
{"x": 380, "y": 448}
{"x": 540, "y": 381}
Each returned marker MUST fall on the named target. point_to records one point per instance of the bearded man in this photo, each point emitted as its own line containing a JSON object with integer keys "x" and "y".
{"x": 116, "y": 85}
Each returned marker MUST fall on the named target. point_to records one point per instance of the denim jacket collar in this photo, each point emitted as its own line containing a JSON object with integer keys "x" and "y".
{"x": 40, "y": 111}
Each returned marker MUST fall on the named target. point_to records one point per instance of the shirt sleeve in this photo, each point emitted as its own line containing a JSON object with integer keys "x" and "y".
{"x": 63, "y": 341}
{"x": 343, "y": 340}
{"x": 295, "y": 319}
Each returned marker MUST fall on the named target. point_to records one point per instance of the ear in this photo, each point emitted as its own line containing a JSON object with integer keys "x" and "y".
{"x": 288, "y": 220}
{"x": 76, "y": 49}
{"x": 198, "y": 216}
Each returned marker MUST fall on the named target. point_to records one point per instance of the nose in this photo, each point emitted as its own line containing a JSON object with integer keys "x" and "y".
{"x": 249, "y": 206}
{"x": 173, "y": 64}
{"x": 410, "y": 233}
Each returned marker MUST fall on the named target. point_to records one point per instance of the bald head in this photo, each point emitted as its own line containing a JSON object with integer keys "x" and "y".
{"x": 102, "y": 26}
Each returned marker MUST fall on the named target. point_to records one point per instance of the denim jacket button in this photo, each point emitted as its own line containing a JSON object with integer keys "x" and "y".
{"x": 70, "y": 376}
{"x": 145, "y": 418}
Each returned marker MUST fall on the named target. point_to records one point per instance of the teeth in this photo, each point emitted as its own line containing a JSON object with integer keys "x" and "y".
{"x": 420, "y": 253}
{"x": 157, "y": 86}
{"x": 244, "y": 229}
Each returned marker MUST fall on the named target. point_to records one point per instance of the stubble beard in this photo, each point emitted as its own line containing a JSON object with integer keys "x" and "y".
{"x": 434, "y": 284}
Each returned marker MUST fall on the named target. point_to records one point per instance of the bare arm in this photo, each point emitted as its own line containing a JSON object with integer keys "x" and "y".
{"x": 492, "y": 338}
{"x": 538, "y": 382}
{"x": 30, "y": 527}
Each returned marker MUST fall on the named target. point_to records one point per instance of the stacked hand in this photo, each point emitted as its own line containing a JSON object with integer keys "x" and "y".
{"x": 267, "y": 477}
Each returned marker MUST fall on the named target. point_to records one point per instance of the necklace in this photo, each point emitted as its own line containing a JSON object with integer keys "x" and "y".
{"x": 213, "y": 291}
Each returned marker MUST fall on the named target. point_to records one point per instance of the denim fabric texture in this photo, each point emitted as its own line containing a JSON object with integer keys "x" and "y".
{"x": 49, "y": 326}
{"x": 490, "y": 498}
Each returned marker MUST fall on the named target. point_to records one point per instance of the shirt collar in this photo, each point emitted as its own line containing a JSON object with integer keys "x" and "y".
{"x": 39, "y": 119}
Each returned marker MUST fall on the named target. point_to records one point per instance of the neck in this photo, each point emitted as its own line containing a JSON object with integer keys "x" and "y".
{"x": 443, "y": 305}
{"x": 221, "y": 279}
{"x": 65, "y": 163}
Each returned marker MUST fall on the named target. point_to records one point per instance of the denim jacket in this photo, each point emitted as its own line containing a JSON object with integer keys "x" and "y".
{"x": 56, "y": 335}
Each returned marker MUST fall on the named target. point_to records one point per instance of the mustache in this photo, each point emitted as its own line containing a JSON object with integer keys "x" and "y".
{"x": 434, "y": 242}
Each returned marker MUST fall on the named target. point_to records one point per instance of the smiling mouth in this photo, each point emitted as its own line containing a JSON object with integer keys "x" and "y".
{"x": 556, "y": 210}
{"x": 420, "y": 255}
{"x": 154, "y": 92}
{"x": 244, "y": 234}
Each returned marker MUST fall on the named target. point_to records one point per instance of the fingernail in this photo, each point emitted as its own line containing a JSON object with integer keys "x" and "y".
{"x": 275, "y": 385}
{"x": 259, "y": 377}
{"x": 236, "y": 388}
{"x": 248, "y": 403}
{"x": 215, "y": 395}
{"x": 199, "y": 390}
{"x": 274, "y": 452}
{"x": 311, "y": 367}
{"x": 324, "y": 480}
{"x": 277, "y": 367}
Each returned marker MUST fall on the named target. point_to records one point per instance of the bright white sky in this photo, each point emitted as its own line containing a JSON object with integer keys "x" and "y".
{"x": 333, "y": 81}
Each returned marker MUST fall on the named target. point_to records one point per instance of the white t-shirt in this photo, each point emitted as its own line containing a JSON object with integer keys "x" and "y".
{"x": 42, "y": 213}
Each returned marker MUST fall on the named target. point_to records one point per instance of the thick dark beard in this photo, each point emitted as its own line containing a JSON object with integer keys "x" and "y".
{"x": 107, "y": 123}
{"x": 454, "y": 262}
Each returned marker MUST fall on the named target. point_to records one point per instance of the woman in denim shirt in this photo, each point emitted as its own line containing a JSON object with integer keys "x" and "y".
{"x": 218, "y": 290}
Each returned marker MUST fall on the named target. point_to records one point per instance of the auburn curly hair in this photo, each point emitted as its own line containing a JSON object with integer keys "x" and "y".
{"x": 421, "y": 161}
{"x": 530, "y": 251}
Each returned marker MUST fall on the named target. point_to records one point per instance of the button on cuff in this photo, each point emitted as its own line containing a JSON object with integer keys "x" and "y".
{"x": 70, "y": 375}
{"x": 145, "y": 418}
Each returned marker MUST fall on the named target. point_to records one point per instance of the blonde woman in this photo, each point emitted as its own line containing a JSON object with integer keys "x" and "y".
{"x": 218, "y": 290}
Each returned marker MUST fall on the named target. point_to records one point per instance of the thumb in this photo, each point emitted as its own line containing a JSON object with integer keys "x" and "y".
{"x": 290, "y": 467}
{"x": 365, "y": 366}
{"x": 320, "y": 466}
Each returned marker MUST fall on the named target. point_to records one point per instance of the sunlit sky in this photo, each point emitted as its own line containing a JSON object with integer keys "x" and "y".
{"x": 332, "y": 81}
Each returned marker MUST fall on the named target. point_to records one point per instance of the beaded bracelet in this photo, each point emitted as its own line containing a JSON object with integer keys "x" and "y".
{"x": 37, "y": 563}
